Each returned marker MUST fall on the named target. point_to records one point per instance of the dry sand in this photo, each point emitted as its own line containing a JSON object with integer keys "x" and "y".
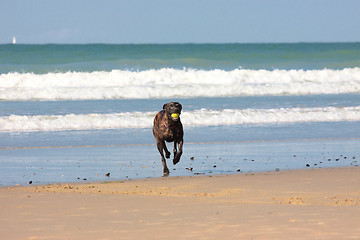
{"x": 295, "y": 204}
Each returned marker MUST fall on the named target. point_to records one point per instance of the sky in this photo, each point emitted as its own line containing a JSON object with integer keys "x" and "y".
{"x": 179, "y": 21}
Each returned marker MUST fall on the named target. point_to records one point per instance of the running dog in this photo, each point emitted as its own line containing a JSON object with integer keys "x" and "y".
{"x": 167, "y": 127}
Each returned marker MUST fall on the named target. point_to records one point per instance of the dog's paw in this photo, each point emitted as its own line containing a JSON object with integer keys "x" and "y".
{"x": 167, "y": 154}
{"x": 176, "y": 159}
{"x": 166, "y": 172}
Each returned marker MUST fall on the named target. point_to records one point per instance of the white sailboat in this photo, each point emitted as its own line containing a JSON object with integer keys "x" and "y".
{"x": 14, "y": 40}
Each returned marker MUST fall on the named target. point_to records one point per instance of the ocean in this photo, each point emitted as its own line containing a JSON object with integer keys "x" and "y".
{"x": 75, "y": 112}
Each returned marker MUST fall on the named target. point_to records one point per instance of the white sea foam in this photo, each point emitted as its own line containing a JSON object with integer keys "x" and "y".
{"x": 169, "y": 83}
{"x": 202, "y": 117}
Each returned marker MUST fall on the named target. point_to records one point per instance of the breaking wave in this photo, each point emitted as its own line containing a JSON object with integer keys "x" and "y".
{"x": 170, "y": 83}
{"x": 202, "y": 117}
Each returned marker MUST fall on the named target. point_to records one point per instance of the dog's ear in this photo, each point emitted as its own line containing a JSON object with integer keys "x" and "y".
{"x": 164, "y": 106}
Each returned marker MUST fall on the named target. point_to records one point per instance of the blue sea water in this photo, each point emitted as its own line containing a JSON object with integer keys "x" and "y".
{"x": 73, "y": 112}
{"x": 107, "y": 57}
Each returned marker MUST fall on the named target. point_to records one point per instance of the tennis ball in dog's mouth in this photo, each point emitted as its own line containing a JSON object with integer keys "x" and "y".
{"x": 175, "y": 115}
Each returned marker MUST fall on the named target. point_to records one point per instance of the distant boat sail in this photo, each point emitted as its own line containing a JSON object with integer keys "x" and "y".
{"x": 14, "y": 40}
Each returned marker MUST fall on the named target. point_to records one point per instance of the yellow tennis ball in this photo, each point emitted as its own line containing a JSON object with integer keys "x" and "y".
{"x": 175, "y": 115}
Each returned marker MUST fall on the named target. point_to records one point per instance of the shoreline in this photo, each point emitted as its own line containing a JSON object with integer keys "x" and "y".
{"x": 155, "y": 179}
{"x": 299, "y": 204}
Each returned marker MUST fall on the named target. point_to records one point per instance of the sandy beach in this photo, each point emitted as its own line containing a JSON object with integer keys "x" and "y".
{"x": 293, "y": 204}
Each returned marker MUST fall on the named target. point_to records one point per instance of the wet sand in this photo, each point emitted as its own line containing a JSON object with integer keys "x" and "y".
{"x": 293, "y": 204}
{"x": 51, "y": 164}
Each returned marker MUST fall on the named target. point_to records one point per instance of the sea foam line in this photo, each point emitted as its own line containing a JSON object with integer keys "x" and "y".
{"x": 202, "y": 117}
{"x": 170, "y": 83}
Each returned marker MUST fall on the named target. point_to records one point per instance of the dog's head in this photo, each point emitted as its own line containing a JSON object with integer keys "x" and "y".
{"x": 173, "y": 110}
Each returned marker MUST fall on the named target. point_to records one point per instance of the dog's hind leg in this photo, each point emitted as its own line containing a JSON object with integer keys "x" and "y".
{"x": 161, "y": 146}
{"x": 178, "y": 153}
{"x": 175, "y": 148}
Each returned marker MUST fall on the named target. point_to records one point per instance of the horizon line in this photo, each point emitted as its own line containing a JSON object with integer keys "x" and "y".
{"x": 184, "y": 43}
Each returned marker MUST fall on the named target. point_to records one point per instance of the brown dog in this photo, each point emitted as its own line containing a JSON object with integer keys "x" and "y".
{"x": 168, "y": 127}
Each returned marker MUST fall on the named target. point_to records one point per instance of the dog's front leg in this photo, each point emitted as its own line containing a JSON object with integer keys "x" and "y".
{"x": 167, "y": 153}
{"x": 161, "y": 146}
{"x": 179, "y": 153}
